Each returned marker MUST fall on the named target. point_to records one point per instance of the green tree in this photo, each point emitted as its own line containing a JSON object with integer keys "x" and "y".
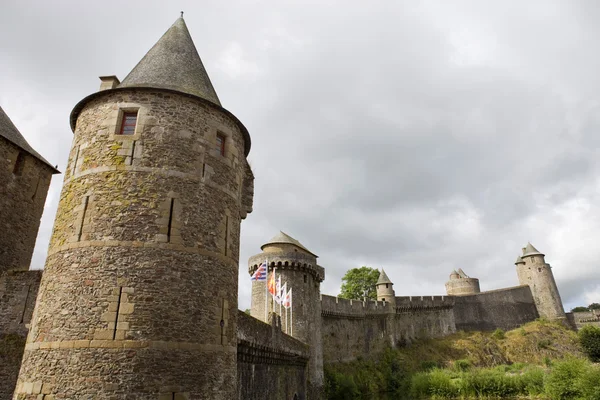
{"x": 580, "y": 309}
{"x": 589, "y": 337}
{"x": 360, "y": 281}
{"x": 594, "y": 306}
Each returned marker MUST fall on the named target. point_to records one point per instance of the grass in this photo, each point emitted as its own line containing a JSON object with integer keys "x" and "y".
{"x": 540, "y": 360}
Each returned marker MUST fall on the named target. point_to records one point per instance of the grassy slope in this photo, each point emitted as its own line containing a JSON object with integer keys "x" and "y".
{"x": 533, "y": 343}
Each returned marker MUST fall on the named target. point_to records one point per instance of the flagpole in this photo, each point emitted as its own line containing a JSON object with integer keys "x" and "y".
{"x": 286, "y": 321}
{"x": 291, "y": 313}
{"x": 266, "y": 292}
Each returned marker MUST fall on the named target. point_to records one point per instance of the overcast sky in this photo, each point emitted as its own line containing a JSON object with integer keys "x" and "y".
{"x": 417, "y": 136}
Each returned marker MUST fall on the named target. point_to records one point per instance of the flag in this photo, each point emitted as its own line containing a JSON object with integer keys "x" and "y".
{"x": 287, "y": 299}
{"x": 260, "y": 274}
{"x": 271, "y": 283}
{"x": 282, "y": 292}
{"x": 277, "y": 294}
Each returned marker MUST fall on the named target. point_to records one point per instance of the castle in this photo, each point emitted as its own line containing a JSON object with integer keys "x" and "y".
{"x": 138, "y": 298}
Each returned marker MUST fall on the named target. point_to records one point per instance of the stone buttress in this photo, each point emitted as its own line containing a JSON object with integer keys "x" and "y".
{"x": 297, "y": 266}
{"x": 138, "y": 299}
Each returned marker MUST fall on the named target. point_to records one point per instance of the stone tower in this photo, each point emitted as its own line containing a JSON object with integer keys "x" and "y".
{"x": 385, "y": 289}
{"x": 297, "y": 266}
{"x": 24, "y": 181}
{"x": 533, "y": 271}
{"x": 461, "y": 284}
{"x": 139, "y": 296}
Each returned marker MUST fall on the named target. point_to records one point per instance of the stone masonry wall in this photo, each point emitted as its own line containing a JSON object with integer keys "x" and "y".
{"x": 18, "y": 291}
{"x": 139, "y": 295}
{"x": 24, "y": 182}
{"x": 271, "y": 365}
{"x": 502, "y": 308}
{"x": 580, "y": 319}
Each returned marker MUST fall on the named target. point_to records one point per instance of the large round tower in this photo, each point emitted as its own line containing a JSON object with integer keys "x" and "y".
{"x": 385, "y": 289}
{"x": 139, "y": 296}
{"x": 297, "y": 267}
{"x": 460, "y": 284}
{"x": 533, "y": 271}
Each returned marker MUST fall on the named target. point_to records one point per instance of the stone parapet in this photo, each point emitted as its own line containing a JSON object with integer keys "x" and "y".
{"x": 411, "y": 303}
{"x": 292, "y": 261}
{"x": 336, "y": 307}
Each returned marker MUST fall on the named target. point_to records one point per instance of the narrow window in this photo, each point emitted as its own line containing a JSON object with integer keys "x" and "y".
{"x": 170, "y": 220}
{"x": 132, "y": 153}
{"x": 19, "y": 164}
{"x": 386, "y": 285}
{"x": 383, "y": 299}
{"x": 220, "y": 145}
{"x": 128, "y": 123}
{"x": 25, "y": 305}
{"x": 203, "y": 170}
{"x": 118, "y": 310}
{"x": 226, "y": 233}
{"x": 304, "y": 278}
{"x": 76, "y": 159}
{"x": 85, "y": 206}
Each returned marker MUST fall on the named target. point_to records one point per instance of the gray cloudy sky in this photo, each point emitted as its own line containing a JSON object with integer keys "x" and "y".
{"x": 418, "y": 136}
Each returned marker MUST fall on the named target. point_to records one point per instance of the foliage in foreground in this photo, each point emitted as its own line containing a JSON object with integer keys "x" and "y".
{"x": 589, "y": 337}
{"x": 538, "y": 360}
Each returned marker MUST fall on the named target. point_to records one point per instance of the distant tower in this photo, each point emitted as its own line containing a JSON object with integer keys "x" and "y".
{"x": 297, "y": 266}
{"x": 139, "y": 296}
{"x": 24, "y": 181}
{"x": 533, "y": 271}
{"x": 461, "y": 284}
{"x": 385, "y": 289}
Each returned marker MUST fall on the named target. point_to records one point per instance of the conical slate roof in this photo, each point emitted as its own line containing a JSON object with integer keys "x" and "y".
{"x": 519, "y": 260}
{"x": 531, "y": 251}
{"x": 383, "y": 278}
{"x": 173, "y": 63}
{"x": 282, "y": 237}
{"x": 9, "y": 131}
{"x": 462, "y": 273}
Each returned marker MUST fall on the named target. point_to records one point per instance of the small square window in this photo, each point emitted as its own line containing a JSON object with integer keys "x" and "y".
{"x": 220, "y": 145}
{"x": 128, "y": 123}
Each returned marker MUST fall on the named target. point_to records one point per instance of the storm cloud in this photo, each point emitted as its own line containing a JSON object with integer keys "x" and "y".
{"x": 415, "y": 136}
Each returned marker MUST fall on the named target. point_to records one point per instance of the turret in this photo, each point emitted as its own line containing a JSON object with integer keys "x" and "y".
{"x": 139, "y": 294}
{"x": 532, "y": 270}
{"x": 460, "y": 284}
{"x": 297, "y": 267}
{"x": 385, "y": 289}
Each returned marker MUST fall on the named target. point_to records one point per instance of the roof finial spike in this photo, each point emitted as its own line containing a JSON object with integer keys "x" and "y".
{"x": 181, "y": 14}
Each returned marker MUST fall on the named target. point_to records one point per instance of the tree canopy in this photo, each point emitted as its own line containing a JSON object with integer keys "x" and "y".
{"x": 593, "y": 306}
{"x": 580, "y": 309}
{"x": 359, "y": 281}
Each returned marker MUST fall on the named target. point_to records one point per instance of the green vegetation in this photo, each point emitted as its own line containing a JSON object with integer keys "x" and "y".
{"x": 589, "y": 337}
{"x": 359, "y": 282}
{"x": 541, "y": 360}
{"x": 593, "y": 306}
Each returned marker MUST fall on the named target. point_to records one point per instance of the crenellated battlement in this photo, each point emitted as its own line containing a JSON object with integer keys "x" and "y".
{"x": 336, "y": 307}
{"x": 412, "y": 303}
{"x": 294, "y": 261}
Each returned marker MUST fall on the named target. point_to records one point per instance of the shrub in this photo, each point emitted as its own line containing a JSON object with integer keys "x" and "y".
{"x": 544, "y": 343}
{"x": 533, "y": 381}
{"x": 589, "y": 338}
{"x": 428, "y": 365}
{"x": 561, "y": 382}
{"x": 440, "y": 385}
{"x": 589, "y": 383}
{"x": 462, "y": 365}
{"x": 498, "y": 334}
{"x": 340, "y": 387}
{"x": 419, "y": 386}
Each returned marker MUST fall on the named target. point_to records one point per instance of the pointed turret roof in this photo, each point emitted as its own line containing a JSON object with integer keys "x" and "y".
{"x": 383, "y": 278}
{"x": 531, "y": 251}
{"x": 9, "y": 131}
{"x": 173, "y": 63}
{"x": 462, "y": 273}
{"x": 519, "y": 260}
{"x": 283, "y": 237}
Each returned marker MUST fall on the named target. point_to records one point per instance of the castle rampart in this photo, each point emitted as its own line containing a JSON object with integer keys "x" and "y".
{"x": 271, "y": 365}
{"x": 502, "y": 308}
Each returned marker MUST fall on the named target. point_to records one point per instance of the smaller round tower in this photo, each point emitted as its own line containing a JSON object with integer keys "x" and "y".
{"x": 385, "y": 289}
{"x": 460, "y": 284}
{"x": 533, "y": 271}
